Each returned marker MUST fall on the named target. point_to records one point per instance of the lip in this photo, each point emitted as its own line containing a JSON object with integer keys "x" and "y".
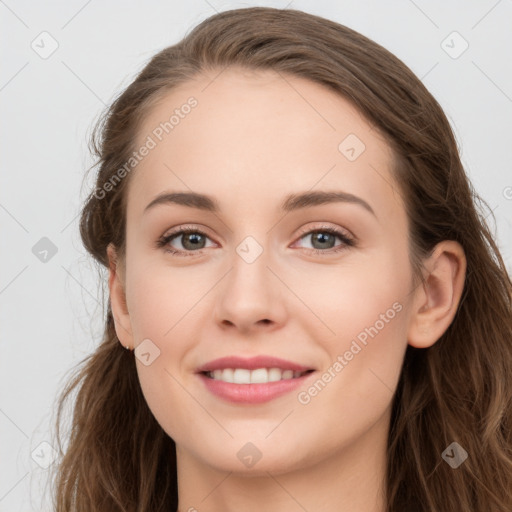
{"x": 252, "y": 393}
{"x": 252, "y": 363}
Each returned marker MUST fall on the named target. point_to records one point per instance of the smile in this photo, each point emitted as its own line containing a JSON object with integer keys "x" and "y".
{"x": 257, "y": 376}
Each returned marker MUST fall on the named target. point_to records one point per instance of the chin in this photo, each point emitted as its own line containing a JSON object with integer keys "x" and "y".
{"x": 248, "y": 458}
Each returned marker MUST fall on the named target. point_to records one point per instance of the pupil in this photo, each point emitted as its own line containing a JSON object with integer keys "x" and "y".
{"x": 321, "y": 237}
{"x": 192, "y": 238}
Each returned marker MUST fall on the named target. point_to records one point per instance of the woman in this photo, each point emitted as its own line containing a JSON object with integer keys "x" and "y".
{"x": 366, "y": 370}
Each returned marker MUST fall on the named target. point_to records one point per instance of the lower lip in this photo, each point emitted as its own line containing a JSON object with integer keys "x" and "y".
{"x": 252, "y": 393}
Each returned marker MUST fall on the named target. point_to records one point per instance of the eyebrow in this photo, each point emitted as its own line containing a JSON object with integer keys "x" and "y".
{"x": 291, "y": 202}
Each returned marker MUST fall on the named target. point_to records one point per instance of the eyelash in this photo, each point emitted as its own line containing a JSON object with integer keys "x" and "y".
{"x": 166, "y": 239}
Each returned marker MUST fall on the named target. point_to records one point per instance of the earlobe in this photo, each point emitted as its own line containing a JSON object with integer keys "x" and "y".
{"x": 438, "y": 297}
{"x": 118, "y": 300}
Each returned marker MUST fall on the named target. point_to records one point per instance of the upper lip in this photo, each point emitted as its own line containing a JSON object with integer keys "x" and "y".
{"x": 251, "y": 363}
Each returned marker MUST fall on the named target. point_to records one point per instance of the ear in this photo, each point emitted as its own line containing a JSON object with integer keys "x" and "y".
{"x": 118, "y": 299}
{"x": 437, "y": 298}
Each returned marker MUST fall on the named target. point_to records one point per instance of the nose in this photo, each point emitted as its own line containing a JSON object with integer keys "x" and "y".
{"x": 250, "y": 296}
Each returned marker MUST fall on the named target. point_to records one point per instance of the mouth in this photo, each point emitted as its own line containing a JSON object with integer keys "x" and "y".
{"x": 257, "y": 376}
{"x": 254, "y": 380}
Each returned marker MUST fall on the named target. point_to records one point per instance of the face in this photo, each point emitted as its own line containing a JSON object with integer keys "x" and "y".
{"x": 319, "y": 289}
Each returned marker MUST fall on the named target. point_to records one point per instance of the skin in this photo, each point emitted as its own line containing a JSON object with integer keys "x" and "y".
{"x": 254, "y": 138}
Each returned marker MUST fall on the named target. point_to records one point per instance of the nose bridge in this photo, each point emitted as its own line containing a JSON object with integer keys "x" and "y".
{"x": 255, "y": 243}
{"x": 252, "y": 237}
{"x": 250, "y": 292}
{"x": 251, "y": 249}
{"x": 249, "y": 265}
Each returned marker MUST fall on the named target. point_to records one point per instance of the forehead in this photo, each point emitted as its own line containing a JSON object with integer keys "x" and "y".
{"x": 262, "y": 135}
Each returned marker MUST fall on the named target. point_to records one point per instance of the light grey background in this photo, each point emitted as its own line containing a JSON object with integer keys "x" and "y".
{"x": 50, "y": 312}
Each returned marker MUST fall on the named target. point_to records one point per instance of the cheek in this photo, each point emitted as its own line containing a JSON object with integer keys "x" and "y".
{"x": 355, "y": 387}
{"x": 365, "y": 291}
{"x": 162, "y": 311}
{"x": 160, "y": 299}
{"x": 365, "y": 311}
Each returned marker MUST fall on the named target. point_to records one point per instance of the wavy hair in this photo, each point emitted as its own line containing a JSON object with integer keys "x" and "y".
{"x": 118, "y": 457}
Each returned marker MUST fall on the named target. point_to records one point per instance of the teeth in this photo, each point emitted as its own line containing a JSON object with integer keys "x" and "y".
{"x": 258, "y": 376}
{"x": 242, "y": 376}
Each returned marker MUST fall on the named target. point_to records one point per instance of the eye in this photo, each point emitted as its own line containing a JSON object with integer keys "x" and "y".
{"x": 322, "y": 239}
{"x": 193, "y": 239}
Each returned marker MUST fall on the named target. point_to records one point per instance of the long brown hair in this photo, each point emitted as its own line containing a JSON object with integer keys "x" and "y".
{"x": 119, "y": 458}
